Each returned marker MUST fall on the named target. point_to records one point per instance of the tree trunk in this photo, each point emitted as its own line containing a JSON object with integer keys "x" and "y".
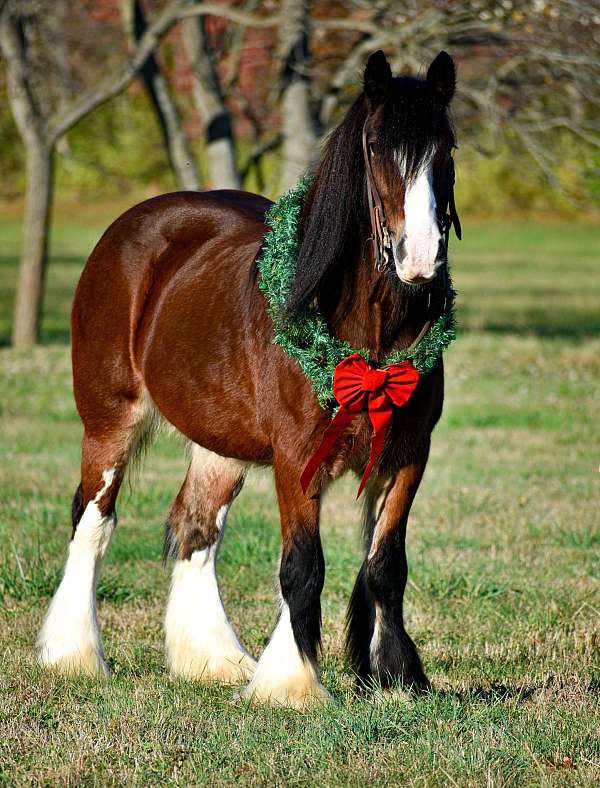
{"x": 41, "y": 129}
{"x": 181, "y": 157}
{"x": 15, "y": 43}
{"x": 223, "y": 172}
{"x": 298, "y": 127}
{"x": 176, "y": 142}
{"x": 34, "y": 256}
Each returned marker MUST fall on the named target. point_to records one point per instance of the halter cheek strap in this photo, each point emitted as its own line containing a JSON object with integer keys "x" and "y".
{"x": 380, "y": 235}
{"x": 451, "y": 218}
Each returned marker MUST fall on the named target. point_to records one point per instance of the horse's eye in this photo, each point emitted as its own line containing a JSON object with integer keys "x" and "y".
{"x": 371, "y": 149}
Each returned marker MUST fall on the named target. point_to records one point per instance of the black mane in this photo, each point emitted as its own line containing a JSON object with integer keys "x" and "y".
{"x": 334, "y": 226}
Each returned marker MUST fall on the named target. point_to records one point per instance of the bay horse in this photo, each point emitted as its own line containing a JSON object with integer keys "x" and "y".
{"x": 168, "y": 321}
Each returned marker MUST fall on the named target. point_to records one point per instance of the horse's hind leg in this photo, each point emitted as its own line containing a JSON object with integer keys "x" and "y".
{"x": 200, "y": 642}
{"x": 70, "y": 637}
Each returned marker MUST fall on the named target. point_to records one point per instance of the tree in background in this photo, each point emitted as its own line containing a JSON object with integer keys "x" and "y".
{"x": 298, "y": 124}
{"x": 181, "y": 158}
{"x": 210, "y": 104}
{"x": 26, "y": 30}
{"x": 529, "y": 84}
{"x": 528, "y": 69}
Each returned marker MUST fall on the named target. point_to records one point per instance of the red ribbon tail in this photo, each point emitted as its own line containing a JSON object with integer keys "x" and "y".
{"x": 377, "y": 443}
{"x": 339, "y": 422}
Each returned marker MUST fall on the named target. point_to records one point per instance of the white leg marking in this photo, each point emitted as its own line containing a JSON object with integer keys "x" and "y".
{"x": 200, "y": 641}
{"x": 70, "y": 637}
{"x": 282, "y": 675}
{"x": 375, "y": 637}
{"x": 378, "y": 531}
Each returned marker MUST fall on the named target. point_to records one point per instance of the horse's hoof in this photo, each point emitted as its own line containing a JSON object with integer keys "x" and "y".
{"x": 84, "y": 661}
{"x": 399, "y": 688}
{"x": 235, "y": 668}
{"x": 290, "y": 694}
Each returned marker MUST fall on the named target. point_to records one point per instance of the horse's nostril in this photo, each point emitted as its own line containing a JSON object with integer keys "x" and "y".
{"x": 401, "y": 247}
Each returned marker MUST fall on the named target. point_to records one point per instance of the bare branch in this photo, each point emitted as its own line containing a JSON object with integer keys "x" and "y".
{"x": 259, "y": 151}
{"x": 113, "y": 84}
{"x": 233, "y": 15}
{"x": 28, "y": 117}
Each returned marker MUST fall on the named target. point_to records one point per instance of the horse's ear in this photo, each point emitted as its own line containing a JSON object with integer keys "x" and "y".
{"x": 378, "y": 78}
{"x": 441, "y": 78}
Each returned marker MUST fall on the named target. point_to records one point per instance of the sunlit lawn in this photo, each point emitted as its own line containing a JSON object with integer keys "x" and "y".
{"x": 504, "y": 545}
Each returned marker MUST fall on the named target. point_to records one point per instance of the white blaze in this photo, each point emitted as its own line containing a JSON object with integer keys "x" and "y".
{"x": 421, "y": 232}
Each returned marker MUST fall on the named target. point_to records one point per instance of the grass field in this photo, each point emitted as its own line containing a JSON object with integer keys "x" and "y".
{"x": 504, "y": 548}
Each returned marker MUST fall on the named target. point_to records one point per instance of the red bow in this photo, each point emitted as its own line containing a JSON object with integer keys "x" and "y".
{"x": 358, "y": 386}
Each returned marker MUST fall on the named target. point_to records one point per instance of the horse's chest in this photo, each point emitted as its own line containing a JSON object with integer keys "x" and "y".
{"x": 407, "y": 439}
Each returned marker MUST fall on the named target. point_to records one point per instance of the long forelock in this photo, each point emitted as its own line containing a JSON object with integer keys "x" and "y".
{"x": 407, "y": 165}
{"x": 410, "y": 129}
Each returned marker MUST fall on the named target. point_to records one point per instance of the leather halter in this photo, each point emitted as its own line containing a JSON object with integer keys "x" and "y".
{"x": 380, "y": 234}
{"x": 450, "y": 219}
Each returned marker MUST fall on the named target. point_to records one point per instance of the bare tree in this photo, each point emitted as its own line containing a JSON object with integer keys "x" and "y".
{"x": 43, "y": 122}
{"x": 298, "y": 125}
{"x": 527, "y": 67}
{"x": 39, "y": 163}
{"x": 210, "y": 104}
{"x": 176, "y": 142}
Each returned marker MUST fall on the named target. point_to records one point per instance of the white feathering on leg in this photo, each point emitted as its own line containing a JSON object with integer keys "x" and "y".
{"x": 70, "y": 636}
{"x": 282, "y": 675}
{"x": 200, "y": 641}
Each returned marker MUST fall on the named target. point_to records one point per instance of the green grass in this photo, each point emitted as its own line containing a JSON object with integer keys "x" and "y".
{"x": 504, "y": 548}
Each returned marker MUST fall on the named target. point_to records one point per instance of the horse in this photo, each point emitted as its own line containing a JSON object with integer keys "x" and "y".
{"x": 169, "y": 323}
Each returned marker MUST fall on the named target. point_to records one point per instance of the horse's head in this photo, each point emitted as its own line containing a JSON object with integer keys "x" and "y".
{"x": 409, "y": 141}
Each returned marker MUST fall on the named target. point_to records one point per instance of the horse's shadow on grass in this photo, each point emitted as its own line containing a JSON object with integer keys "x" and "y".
{"x": 499, "y": 691}
{"x": 492, "y": 693}
{"x": 489, "y": 694}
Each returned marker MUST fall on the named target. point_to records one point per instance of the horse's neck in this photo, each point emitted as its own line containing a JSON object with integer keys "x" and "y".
{"x": 369, "y": 312}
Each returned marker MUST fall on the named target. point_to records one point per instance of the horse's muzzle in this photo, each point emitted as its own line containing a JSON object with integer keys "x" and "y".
{"x": 417, "y": 266}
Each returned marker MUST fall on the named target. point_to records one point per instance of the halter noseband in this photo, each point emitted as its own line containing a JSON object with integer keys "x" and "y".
{"x": 380, "y": 234}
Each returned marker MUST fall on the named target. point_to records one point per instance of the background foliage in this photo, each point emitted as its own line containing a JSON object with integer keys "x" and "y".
{"x": 119, "y": 150}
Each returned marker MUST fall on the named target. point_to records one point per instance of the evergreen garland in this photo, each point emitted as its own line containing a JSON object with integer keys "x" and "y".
{"x": 305, "y": 336}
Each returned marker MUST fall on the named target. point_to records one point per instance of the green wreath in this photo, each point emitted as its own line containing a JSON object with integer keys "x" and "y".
{"x": 305, "y": 336}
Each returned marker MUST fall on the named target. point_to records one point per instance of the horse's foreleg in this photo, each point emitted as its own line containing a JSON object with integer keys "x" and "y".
{"x": 378, "y": 645}
{"x": 200, "y": 642}
{"x": 287, "y": 671}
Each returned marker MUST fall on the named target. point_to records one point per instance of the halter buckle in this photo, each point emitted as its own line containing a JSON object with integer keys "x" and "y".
{"x": 382, "y": 261}
{"x": 382, "y": 255}
{"x": 387, "y": 241}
